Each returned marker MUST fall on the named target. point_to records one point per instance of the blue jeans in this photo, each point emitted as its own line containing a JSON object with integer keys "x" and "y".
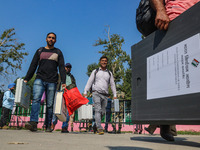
{"x": 65, "y": 124}
{"x": 39, "y": 87}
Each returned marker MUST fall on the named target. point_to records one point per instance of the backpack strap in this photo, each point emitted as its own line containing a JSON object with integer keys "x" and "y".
{"x": 95, "y": 74}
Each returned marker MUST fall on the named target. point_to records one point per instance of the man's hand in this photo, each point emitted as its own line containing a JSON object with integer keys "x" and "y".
{"x": 25, "y": 81}
{"x": 84, "y": 95}
{"x": 114, "y": 97}
{"x": 162, "y": 20}
{"x": 63, "y": 86}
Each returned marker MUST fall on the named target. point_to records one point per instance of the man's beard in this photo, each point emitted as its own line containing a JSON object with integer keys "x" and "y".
{"x": 49, "y": 44}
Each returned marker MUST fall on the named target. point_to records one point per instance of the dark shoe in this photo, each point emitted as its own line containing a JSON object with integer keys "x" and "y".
{"x": 49, "y": 129}
{"x": 119, "y": 132}
{"x": 100, "y": 132}
{"x": 113, "y": 131}
{"x": 64, "y": 130}
{"x": 165, "y": 133}
{"x": 147, "y": 129}
{"x": 31, "y": 125}
{"x": 140, "y": 132}
{"x": 167, "y": 136}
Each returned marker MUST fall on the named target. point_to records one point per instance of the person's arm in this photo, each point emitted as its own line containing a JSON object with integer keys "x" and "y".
{"x": 33, "y": 67}
{"x": 113, "y": 88}
{"x": 162, "y": 19}
{"x": 62, "y": 69}
{"x": 89, "y": 83}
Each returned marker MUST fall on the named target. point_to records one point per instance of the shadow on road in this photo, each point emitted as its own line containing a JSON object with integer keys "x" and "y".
{"x": 178, "y": 141}
{"x": 126, "y": 148}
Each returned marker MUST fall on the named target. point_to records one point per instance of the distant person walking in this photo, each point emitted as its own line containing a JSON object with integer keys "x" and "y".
{"x": 7, "y": 105}
{"x": 99, "y": 81}
{"x": 46, "y": 60}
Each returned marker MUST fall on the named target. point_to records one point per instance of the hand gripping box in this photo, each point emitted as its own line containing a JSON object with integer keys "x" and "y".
{"x": 85, "y": 112}
{"x": 22, "y": 94}
{"x": 60, "y": 108}
{"x": 166, "y": 73}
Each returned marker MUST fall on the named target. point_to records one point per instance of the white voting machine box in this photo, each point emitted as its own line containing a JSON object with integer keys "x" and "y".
{"x": 116, "y": 105}
{"x": 23, "y": 93}
{"x": 85, "y": 112}
{"x": 60, "y": 108}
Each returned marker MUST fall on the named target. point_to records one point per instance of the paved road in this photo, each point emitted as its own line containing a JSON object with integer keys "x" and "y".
{"x": 26, "y": 140}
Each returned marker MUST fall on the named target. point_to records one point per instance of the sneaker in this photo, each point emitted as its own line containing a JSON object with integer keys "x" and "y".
{"x": 100, "y": 132}
{"x": 31, "y": 125}
{"x": 5, "y": 127}
{"x": 64, "y": 130}
{"x": 49, "y": 129}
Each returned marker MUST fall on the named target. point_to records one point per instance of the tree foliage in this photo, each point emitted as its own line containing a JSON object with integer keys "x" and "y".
{"x": 91, "y": 67}
{"x": 11, "y": 53}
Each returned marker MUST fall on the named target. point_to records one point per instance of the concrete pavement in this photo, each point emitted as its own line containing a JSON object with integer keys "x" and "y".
{"x": 26, "y": 140}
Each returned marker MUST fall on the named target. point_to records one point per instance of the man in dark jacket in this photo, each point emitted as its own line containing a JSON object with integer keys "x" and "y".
{"x": 70, "y": 80}
{"x": 46, "y": 60}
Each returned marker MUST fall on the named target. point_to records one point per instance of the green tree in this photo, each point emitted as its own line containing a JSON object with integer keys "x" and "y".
{"x": 91, "y": 67}
{"x": 11, "y": 53}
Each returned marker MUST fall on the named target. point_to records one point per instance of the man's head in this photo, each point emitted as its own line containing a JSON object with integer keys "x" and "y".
{"x": 68, "y": 67}
{"x": 11, "y": 86}
{"x": 51, "y": 39}
{"x": 103, "y": 62}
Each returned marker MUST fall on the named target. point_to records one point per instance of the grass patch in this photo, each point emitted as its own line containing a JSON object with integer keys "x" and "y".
{"x": 190, "y": 132}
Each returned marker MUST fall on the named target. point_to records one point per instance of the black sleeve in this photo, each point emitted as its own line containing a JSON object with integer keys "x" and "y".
{"x": 33, "y": 66}
{"x": 61, "y": 67}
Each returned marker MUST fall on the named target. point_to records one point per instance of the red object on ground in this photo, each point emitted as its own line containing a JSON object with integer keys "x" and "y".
{"x": 74, "y": 99}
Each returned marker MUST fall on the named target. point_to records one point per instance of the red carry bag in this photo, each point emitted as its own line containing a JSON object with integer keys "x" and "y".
{"x": 73, "y": 99}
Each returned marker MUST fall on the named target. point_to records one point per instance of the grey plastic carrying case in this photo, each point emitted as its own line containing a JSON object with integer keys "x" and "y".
{"x": 60, "y": 108}
{"x": 155, "y": 98}
{"x": 22, "y": 94}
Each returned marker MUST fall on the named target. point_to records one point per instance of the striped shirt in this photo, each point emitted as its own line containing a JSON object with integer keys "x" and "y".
{"x": 176, "y": 7}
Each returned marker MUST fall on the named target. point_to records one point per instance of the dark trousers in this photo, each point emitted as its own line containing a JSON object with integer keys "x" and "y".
{"x": 108, "y": 114}
{"x": 4, "y": 116}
